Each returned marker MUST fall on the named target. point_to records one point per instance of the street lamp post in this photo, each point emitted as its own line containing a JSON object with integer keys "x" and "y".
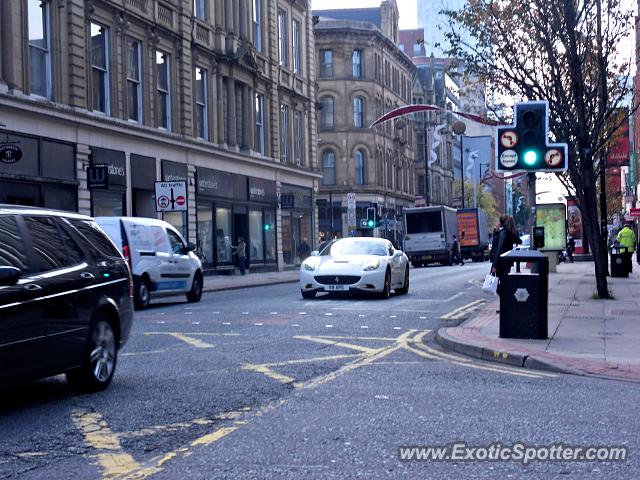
{"x": 459, "y": 128}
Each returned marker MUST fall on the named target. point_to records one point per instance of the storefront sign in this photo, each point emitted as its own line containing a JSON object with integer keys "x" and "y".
{"x": 98, "y": 177}
{"x": 174, "y": 171}
{"x": 171, "y": 196}
{"x": 10, "y": 153}
{"x": 216, "y": 184}
{"x": 287, "y": 200}
{"x": 261, "y": 190}
{"x": 115, "y": 163}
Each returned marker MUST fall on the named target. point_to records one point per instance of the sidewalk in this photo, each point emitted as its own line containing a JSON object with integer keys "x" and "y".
{"x": 586, "y": 337}
{"x": 214, "y": 283}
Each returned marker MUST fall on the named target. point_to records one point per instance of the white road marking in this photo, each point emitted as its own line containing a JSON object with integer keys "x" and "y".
{"x": 329, "y": 314}
{"x": 397, "y": 328}
{"x": 362, "y": 315}
{"x": 295, "y": 325}
{"x": 161, "y": 321}
{"x": 226, "y": 323}
{"x": 258, "y": 324}
{"x": 329, "y": 326}
{"x": 363, "y": 326}
{"x": 188, "y": 313}
{"x": 274, "y": 313}
{"x": 302, "y": 313}
{"x": 195, "y": 323}
{"x": 459, "y": 294}
{"x": 423, "y": 318}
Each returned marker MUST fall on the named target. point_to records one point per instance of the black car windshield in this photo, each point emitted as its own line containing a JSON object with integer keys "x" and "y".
{"x": 357, "y": 247}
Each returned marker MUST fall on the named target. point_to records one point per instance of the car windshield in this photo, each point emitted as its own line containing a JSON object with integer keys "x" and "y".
{"x": 357, "y": 247}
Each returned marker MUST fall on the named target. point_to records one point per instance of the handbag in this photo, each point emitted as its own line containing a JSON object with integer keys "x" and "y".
{"x": 490, "y": 284}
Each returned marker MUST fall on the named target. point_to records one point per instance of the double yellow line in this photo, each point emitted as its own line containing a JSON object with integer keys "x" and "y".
{"x": 460, "y": 312}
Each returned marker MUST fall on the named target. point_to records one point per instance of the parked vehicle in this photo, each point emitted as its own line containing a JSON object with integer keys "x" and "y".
{"x": 65, "y": 298}
{"x": 355, "y": 264}
{"x": 430, "y": 232}
{"x": 161, "y": 262}
{"x": 526, "y": 243}
{"x": 473, "y": 234}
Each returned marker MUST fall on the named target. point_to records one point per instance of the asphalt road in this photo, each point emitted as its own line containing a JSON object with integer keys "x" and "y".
{"x": 259, "y": 383}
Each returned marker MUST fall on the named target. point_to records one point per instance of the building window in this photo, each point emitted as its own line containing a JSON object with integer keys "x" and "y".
{"x": 284, "y": 133}
{"x": 163, "y": 70}
{"x": 326, "y": 63}
{"x": 299, "y": 143}
{"x": 257, "y": 25}
{"x": 39, "y": 49}
{"x": 416, "y": 49}
{"x": 328, "y": 168}
{"x": 283, "y": 43}
{"x": 326, "y": 112}
{"x": 360, "y": 168}
{"x": 358, "y": 112}
{"x": 297, "y": 48}
{"x": 357, "y": 64}
{"x": 260, "y": 123}
{"x": 200, "y": 9}
{"x": 202, "y": 118}
{"x": 134, "y": 85}
{"x": 100, "y": 67}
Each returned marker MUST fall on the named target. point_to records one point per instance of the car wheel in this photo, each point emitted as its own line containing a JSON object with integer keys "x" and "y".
{"x": 405, "y": 286}
{"x": 195, "y": 294}
{"x": 308, "y": 295}
{"x": 99, "y": 358}
{"x": 142, "y": 294}
{"x": 386, "y": 290}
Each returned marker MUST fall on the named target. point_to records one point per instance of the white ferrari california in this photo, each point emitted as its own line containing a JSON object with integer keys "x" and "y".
{"x": 356, "y": 264}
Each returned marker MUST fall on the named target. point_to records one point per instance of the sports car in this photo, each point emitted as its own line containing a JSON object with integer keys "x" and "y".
{"x": 356, "y": 264}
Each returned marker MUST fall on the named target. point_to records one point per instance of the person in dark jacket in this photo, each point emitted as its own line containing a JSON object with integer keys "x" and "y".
{"x": 304, "y": 250}
{"x": 507, "y": 237}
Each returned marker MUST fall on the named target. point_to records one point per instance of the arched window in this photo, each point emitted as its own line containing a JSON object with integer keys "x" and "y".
{"x": 326, "y": 112}
{"x": 358, "y": 112}
{"x": 360, "y": 168}
{"x": 328, "y": 168}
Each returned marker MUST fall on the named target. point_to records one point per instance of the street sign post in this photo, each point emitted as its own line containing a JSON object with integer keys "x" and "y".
{"x": 351, "y": 210}
{"x": 171, "y": 196}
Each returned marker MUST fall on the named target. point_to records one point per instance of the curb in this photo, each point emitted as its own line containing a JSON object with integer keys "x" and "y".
{"x": 513, "y": 358}
{"x": 238, "y": 287}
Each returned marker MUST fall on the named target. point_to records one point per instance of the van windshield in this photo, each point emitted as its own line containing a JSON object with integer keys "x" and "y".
{"x": 424, "y": 222}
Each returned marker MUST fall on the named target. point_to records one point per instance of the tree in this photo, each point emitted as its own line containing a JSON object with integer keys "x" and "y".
{"x": 486, "y": 201}
{"x": 565, "y": 51}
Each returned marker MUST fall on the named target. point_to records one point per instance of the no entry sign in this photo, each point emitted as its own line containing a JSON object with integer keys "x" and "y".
{"x": 171, "y": 196}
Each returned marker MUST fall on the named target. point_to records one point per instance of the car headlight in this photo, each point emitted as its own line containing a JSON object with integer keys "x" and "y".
{"x": 372, "y": 265}
{"x": 311, "y": 266}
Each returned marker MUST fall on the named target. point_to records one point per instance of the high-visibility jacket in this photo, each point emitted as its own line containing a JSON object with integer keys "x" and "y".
{"x": 627, "y": 238}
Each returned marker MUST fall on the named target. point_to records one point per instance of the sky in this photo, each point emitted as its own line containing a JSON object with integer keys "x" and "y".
{"x": 408, "y": 9}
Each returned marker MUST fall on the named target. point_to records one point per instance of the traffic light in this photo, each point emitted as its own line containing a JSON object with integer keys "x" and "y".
{"x": 371, "y": 217}
{"x": 524, "y": 146}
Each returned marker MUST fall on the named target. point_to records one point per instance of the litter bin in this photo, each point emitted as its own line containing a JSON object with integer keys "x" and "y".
{"x": 524, "y": 296}
{"x": 619, "y": 261}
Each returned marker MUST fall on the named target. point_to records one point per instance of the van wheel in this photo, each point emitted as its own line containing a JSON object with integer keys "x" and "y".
{"x": 195, "y": 294}
{"x": 142, "y": 293}
{"x": 99, "y": 358}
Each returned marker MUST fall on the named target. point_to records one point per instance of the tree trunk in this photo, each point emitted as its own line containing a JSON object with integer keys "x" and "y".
{"x": 598, "y": 247}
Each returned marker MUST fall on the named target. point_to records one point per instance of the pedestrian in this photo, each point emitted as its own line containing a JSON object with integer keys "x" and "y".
{"x": 627, "y": 238}
{"x": 493, "y": 245}
{"x": 503, "y": 241}
{"x": 304, "y": 250}
{"x": 456, "y": 256}
{"x": 241, "y": 252}
{"x": 571, "y": 247}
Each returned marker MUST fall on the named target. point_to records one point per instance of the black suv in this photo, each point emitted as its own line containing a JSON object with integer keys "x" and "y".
{"x": 65, "y": 298}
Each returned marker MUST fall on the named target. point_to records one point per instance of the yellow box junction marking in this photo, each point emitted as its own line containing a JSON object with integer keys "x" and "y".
{"x": 461, "y": 311}
{"x": 335, "y": 343}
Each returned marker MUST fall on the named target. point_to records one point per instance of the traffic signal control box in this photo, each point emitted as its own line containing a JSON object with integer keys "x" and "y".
{"x": 524, "y": 146}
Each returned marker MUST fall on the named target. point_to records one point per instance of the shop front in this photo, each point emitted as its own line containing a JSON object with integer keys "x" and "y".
{"x": 296, "y": 216}
{"x": 110, "y": 201}
{"x": 176, "y": 172}
{"x": 143, "y": 177}
{"x": 230, "y": 206}
{"x": 37, "y": 171}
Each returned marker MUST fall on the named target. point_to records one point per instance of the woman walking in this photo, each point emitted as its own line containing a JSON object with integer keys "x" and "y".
{"x": 507, "y": 236}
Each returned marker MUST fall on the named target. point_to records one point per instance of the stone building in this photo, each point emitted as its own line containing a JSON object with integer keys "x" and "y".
{"x": 362, "y": 74}
{"x": 219, "y": 94}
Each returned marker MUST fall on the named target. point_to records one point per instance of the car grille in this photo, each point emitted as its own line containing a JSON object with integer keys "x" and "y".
{"x": 337, "y": 279}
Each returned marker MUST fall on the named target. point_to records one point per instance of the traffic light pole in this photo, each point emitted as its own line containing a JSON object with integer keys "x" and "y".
{"x": 531, "y": 179}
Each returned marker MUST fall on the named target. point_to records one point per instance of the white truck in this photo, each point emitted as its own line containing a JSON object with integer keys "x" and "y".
{"x": 429, "y": 234}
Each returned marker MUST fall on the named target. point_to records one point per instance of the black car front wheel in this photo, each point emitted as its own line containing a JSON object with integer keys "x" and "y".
{"x": 99, "y": 358}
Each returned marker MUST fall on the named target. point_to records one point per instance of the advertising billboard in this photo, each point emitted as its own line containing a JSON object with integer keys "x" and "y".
{"x": 574, "y": 221}
{"x": 553, "y": 218}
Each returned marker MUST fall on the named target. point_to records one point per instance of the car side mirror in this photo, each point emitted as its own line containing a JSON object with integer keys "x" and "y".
{"x": 189, "y": 248}
{"x": 9, "y": 276}
{"x": 315, "y": 253}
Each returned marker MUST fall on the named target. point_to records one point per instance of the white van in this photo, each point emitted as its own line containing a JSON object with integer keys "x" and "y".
{"x": 161, "y": 262}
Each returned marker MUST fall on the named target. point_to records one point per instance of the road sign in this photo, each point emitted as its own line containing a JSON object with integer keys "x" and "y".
{"x": 171, "y": 196}
{"x": 351, "y": 200}
{"x": 634, "y": 212}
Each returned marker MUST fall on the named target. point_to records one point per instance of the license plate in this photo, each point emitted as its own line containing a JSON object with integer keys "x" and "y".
{"x": 336, "y": 288}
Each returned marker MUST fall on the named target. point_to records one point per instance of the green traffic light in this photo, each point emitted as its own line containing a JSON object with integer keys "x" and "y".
{"x": 370, "y": 223}
{"x": 530, "y": 157}
{"x": 267, "y": 227}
